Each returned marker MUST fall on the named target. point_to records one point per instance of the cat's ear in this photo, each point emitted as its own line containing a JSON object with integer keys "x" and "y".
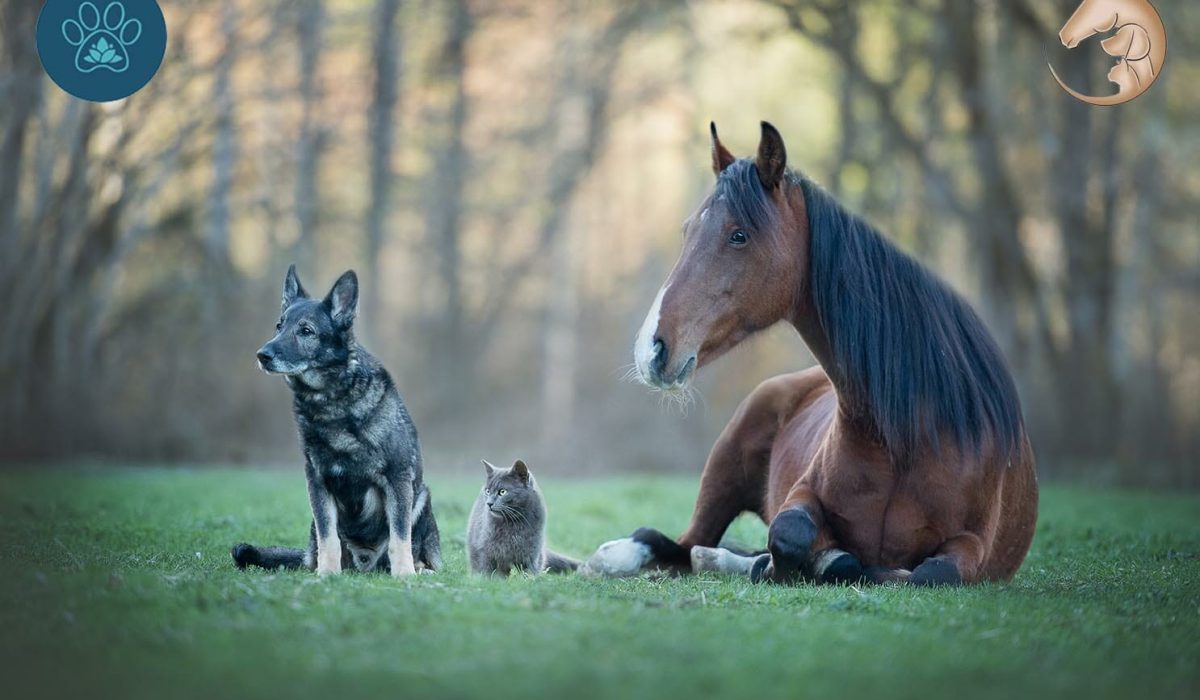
{"x": 521, "y": 471}
{"x": 488, "y": 467}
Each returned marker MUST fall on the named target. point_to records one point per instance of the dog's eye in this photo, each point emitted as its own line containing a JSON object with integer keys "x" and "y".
{"x": 738, "y": 238}
{"x": 279, "y": 325}
{"x": 306, "y": 330}
{"x": 502, "y": 491}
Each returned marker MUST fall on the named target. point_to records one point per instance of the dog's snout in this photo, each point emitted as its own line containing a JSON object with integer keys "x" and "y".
{"x": 264, "y": 356}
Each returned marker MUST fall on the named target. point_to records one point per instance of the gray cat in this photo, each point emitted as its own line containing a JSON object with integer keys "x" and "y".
{"x": 507, "y": 529}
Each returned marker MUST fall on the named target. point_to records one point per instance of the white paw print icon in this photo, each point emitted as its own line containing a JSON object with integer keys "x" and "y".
{"x": 103, "y": 41}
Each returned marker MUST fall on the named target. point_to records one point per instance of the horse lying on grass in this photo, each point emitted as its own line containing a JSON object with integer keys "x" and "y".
{"x": 902, "y": 457}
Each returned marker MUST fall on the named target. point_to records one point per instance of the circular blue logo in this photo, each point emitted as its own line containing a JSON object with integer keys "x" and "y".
{"x": 101, "y": 50}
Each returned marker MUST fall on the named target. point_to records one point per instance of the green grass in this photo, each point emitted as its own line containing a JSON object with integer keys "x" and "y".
{"x": 119, "y": 584}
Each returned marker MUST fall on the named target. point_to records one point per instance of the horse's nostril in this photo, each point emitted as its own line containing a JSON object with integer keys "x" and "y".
{"x": 659, "y": 361}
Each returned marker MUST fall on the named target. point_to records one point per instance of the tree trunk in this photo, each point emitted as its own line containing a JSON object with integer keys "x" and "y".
{"x": 381, "y": 129}
{"x": 455, "y": 363}
{"x": 309, "y": 26}
{"x": 1086, "y": 387}
{"x": 225, "y": 146}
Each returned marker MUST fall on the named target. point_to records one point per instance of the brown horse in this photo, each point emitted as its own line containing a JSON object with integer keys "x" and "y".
{"x": 903, "y": 457}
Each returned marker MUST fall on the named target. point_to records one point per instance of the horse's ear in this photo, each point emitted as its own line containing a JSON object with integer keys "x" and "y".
{"x": 772, "y": 157}
{"x": 292, "y": 289}
{"x": 521, "y": 471}
{"x": 721, "y": 157}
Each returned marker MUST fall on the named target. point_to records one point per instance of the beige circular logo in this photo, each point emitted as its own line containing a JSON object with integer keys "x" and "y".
{"x": 1139, "y": 44}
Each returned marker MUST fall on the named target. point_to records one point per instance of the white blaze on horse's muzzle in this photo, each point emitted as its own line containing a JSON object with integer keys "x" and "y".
{"x": 652, "y": 356}
{"x": 646, "y": 349}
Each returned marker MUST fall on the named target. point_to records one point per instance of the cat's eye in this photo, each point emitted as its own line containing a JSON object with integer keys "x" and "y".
{"x": 502, "y": 491}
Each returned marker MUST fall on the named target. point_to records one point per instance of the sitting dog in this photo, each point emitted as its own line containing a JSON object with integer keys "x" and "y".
{"x": 371, "y": 508}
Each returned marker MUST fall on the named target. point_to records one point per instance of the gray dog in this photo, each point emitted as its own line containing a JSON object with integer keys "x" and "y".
{"x": 371, "y": 508}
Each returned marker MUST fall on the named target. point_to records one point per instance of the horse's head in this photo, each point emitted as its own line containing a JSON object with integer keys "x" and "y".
{"x": 1091, "y": 17}
{"x": 739, "y": 271}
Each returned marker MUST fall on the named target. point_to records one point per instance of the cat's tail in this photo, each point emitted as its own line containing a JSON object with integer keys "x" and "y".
{"x": 559, "y": 564}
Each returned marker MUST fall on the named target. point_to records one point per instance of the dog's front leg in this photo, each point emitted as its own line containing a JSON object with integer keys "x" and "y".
{"x": 398, "y": 492}
{"x": 325, "y": 518}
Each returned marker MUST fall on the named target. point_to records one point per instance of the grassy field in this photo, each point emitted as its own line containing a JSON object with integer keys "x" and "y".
{"x": 119, "y": 584}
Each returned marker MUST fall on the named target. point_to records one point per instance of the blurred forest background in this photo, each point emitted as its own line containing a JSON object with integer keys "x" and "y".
{"x": 509, "y": 179}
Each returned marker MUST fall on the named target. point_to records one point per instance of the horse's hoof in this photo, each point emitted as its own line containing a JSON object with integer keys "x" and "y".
{"x": 758, "y": 570}
{"x": 789, "y": 541}
{"x": 838, "y": 566}
{"x": 936, "y": 571}
{"x": 623, "y": 557}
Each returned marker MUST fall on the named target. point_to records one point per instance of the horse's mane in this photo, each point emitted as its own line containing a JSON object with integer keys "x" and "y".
{"x": 910, "y": 355}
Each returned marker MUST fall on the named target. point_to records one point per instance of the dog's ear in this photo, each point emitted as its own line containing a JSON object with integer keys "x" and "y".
{"x": 521, "y": 471}
{"x": 343, "y": 300}
{"x": 488, "y": 468}
{"x": 292, "y": 289}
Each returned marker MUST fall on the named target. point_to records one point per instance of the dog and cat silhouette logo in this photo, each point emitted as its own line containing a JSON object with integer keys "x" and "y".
{"x": 101, "y": 51}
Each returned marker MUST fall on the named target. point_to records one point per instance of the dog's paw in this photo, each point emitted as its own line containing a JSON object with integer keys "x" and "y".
{"x": 400, "y": 559}
{"x": 329, "y": 561}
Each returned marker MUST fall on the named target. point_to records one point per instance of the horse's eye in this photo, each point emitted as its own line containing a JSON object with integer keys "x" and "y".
{"x": 738, "y": 238}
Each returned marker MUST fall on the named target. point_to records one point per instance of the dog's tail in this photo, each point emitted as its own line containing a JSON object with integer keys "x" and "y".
{"x": 268, "y": 557}
{"x": 559, "y": 564}
{"x": 426, "y": 542}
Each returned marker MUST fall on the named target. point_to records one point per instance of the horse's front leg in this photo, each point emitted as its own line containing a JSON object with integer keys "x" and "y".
{"x": 731, "y": 483}
{"x": 801, "y": 547}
